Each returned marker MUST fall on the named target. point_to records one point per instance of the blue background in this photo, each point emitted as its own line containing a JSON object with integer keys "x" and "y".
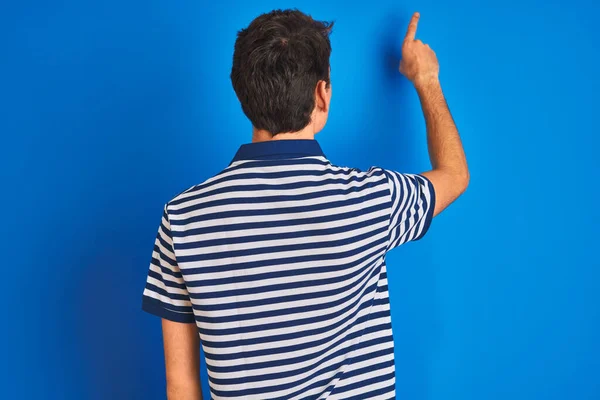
{"x": 109, "y": 110}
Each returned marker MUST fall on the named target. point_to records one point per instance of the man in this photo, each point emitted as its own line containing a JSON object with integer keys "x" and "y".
{"x": 276, "y": 265}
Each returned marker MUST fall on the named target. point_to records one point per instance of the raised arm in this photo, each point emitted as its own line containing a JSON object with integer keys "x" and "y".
{"x": 450, "y": 174}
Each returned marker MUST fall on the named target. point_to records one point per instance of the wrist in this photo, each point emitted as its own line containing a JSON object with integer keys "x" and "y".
{"x": 427, "y": 84}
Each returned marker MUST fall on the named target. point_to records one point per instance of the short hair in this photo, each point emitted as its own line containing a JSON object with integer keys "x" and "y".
{"x": 277, "y": 62}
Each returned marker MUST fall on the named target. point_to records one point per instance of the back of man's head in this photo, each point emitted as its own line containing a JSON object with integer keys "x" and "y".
{"x": 277, "y": 62}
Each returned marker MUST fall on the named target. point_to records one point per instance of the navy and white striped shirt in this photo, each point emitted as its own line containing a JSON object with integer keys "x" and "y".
{"x": 279, "y": 260}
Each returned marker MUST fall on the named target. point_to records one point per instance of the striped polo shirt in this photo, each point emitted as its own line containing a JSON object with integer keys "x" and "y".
{"x": 279, "y": 260}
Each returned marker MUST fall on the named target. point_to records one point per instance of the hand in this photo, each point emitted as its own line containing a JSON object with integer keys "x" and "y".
{"x": 419, "y": 63}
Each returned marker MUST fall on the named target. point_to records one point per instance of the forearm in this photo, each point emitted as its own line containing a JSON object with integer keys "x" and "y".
{"x": 445, "y": 148}
{"x": 188, "y": 390}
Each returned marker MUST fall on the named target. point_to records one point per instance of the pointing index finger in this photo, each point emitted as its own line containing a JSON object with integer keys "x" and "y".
{"x": 412, "y": 27}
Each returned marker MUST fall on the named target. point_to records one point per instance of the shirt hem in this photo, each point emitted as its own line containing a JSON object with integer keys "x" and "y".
{"x": 156, "y": 307}
{"x": 429, "y": 214}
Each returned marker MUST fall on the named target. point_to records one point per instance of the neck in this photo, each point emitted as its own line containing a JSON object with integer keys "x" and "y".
{"x": 261, "y": 135}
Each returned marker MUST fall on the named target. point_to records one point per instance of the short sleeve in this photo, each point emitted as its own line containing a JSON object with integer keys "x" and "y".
{"x": 165, "y": 294}
{"x": 411, "y": 207}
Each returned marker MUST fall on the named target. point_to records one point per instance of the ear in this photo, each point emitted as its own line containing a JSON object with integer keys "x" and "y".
{"x": 321, "y": 96}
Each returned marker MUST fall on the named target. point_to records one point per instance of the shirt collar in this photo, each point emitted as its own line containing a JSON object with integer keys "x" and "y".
{"x": 277, "y": 149}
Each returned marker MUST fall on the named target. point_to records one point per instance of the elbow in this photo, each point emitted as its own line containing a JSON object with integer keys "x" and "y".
{"x": 189, "y": 390}
{"x": 465, "y": 178}
{"x": 461, "y": 180}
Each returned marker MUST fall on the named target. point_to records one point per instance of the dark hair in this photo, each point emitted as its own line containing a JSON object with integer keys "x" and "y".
{"x": 277, "y": 61}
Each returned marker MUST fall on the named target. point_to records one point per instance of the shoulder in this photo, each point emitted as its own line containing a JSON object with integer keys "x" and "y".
{"x": 372, "y": 171}
{"x": 195, "y": 191}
